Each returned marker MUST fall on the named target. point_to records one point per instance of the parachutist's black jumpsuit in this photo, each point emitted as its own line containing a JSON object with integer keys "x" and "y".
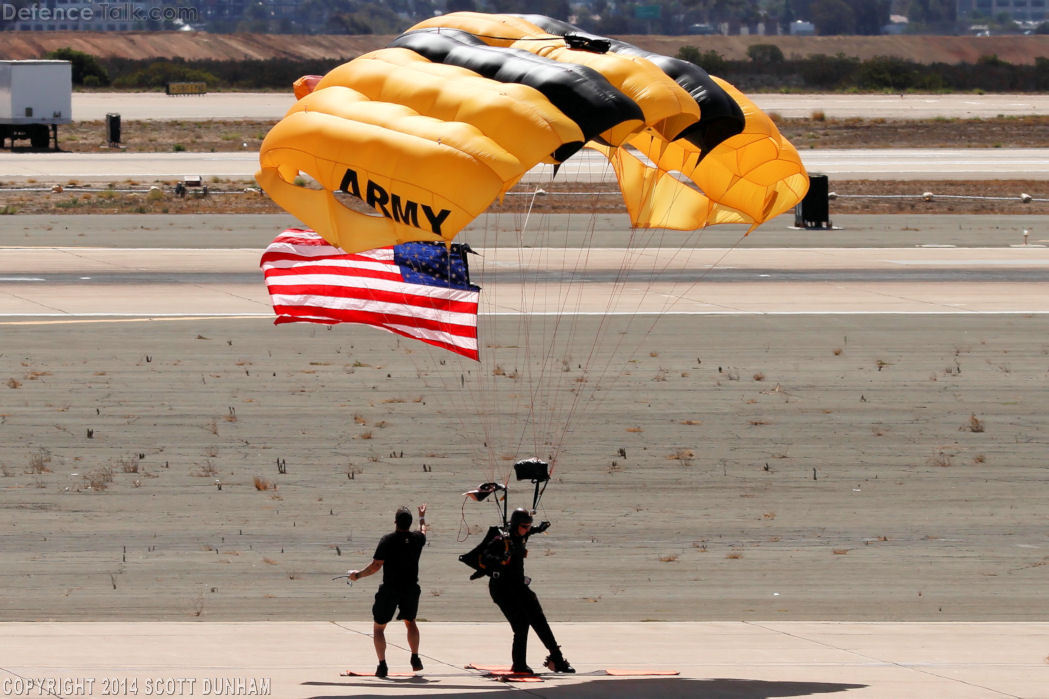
{"x": 509, "y": 589}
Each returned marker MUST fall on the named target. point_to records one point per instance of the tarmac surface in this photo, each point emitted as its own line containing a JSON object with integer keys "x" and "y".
{"x": 93, "y": 106}
{"x": 927, "y": 581}
{"x": 586, "y": 166}
{"x": 741, "y": 660}
{"x": 780, "y": 620}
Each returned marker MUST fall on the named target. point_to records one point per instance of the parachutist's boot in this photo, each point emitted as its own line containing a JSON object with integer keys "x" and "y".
{"x": 556, "y": 662}
{"x": 382, "y": 670}
{"x": 417, "y": 663}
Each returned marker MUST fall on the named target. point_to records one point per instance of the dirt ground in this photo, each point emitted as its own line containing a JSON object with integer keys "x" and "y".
{"x": 242, "y": 197}
{"x": 816, "y": 132}
{"x": 198, "y": 46}
{"x": 228, "y": 196}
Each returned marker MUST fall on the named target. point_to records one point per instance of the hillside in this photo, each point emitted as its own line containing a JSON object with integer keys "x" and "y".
{"x": 194, "y": 46}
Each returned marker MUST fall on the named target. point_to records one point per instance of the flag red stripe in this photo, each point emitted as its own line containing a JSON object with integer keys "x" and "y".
{"x": 311, "y": 281}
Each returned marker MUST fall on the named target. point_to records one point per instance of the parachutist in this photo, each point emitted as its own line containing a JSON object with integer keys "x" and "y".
{"x": 398, "y": 555}
{"x": 510, "y": 590}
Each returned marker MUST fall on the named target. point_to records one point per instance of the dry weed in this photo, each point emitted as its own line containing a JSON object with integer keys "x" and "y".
{"x": 975, "y": 424}
{"x": 100, "y": 478}
{"x": 205, "y": 470}
{"x": 39, "y": 460}
{"x": 263, "y": 483}
{"x": 940, "y": 459}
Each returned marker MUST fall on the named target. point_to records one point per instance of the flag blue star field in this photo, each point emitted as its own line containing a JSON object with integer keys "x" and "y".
{"x": 419, "y": 290}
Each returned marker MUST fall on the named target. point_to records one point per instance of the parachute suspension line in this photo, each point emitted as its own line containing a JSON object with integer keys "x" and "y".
{"x": 568, "y": 292}
{"x": 524, "y": 321}
{"x": 655, "y": 271}
{"x": 489, "y": 404}
{"x": 582, "y": 388}
{"x": 593, "y": 385}
{"x": 670, "y": 300}
{"x": 634, "y": 252}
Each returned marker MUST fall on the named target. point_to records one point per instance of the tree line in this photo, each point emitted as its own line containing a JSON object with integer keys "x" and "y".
{"x": 606, "y": 17}
{"x": 765, "y": 69}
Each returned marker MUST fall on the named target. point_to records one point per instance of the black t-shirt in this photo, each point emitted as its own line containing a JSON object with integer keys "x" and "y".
{"x": 399, "y": 553}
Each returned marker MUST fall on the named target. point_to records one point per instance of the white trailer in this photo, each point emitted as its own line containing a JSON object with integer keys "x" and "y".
{"x": 35, "y": 97}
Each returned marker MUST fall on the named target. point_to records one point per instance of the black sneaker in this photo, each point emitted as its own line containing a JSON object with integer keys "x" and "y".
{"x": 557, "y": 663}
{"x": 417, "y": 664}
{"x": 522, "y": 670}
{"x": 382, "y": 670}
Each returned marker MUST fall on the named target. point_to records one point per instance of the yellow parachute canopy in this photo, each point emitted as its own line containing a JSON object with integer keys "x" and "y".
{"x": 414, "y": 141}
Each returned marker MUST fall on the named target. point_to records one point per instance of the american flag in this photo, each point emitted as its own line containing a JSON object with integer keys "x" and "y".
{"x": 419, "y": 290}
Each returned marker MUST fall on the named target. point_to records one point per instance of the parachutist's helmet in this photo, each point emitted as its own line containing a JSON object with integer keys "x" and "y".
{"x": 517, "y": 518}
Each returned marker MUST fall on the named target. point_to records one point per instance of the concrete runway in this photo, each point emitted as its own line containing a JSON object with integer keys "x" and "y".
{"x": 718, "y": 660}
{"x": 92, "y": 282}
{"x": 959, "y": 543}
{"x": 93, "y": 106}
{"x": 586, "y": 166}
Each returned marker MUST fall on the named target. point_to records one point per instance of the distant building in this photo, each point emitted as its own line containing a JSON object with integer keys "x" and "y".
{"x": 801, "y": 28}
{"x": 1017, "y": 10}
{"x": 897, "y": 25}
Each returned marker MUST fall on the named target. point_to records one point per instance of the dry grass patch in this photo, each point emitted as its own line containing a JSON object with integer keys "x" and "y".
{"x": 99, "y": 478}
{"x": 263, "y": 483}
{"x": 39, "y": 461}
{"x": 205, "y": 470}
{"x": 940, "y": 459}
{"x": 975, "y": 424}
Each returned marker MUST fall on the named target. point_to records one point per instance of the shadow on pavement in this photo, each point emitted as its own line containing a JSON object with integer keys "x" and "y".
{"x": 663, "y": 687}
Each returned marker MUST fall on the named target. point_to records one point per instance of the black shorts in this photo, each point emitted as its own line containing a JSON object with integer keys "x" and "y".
{"x": 388, "y": 598}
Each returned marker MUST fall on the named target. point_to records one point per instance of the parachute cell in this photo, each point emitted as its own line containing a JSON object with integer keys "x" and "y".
{"x": 425, "y": 134}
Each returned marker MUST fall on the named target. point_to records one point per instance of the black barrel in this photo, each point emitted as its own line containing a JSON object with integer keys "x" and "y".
{"x": 113, "y": 127}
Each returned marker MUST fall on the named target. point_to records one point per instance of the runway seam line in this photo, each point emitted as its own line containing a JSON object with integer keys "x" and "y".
{"x": 894, "y": 663}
